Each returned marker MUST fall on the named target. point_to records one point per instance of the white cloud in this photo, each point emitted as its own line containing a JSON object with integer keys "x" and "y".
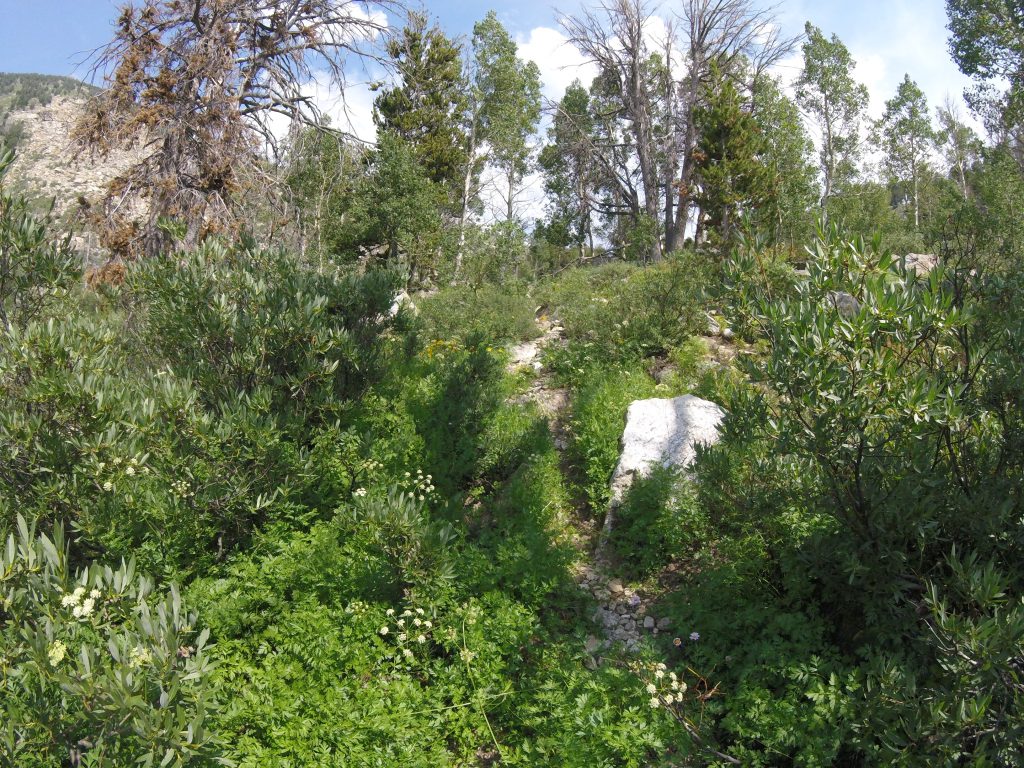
{"x": 557, "y": 59}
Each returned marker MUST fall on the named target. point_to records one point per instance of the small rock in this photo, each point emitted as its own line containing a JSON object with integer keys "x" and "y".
{"x": 649, "y": 622}
{"x": 615, "y": 587}
{"x": 592, "y": 645}
{"x": 664, "y": 623}
{"x": 728, "y": 334}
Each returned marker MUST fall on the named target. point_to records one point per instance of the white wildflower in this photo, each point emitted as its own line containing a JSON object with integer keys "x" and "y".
{"x": 57, "y": 653}
{"x": 95, "y": 594}
{"x": 652, "y": 688}
{"x": 384, "y": 630}
{"x": 655, "y": 702}
{"x": 421, "y": 639}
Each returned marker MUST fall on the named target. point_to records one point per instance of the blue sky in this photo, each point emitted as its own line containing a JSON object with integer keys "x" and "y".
{"x": 887, "y": 37}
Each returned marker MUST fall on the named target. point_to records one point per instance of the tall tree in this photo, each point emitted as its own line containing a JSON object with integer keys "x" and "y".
{"x": 729, "y": 34}
{"x": 199, "y": 84}
{"x": 987, "y": 43}
{"x": 509, "y": 103}
{"x": 827, "y": 91}
{"x": 959, "y": 144}
{"x": 728, "y": 165}
{"x": 787, "y": 150}
{"x": 503, "y": 109}
{"x": 904, "y": 134}
{"x": 570, "y": 175}
{"x": 616, "y": 40}
{"x": 425, "y": 107}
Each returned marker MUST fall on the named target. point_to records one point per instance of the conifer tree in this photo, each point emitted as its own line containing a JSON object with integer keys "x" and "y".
{"x": 732, "y": 177}
{"x": 425, "y": 107}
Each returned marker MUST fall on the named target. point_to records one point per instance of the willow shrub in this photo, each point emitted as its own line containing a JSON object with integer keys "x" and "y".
{"x": 96, "y": 665}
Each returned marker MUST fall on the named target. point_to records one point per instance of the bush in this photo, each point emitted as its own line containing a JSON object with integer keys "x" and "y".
{"x": 658, "y": 520}
{"x": 596, "y": 424}
{"x": 97, "y": 667}
{"x": 249, "y": 324}
{"x": 489, "y": 312}
{"x": 37, "y": 270}
{"x": 621, "y": 314}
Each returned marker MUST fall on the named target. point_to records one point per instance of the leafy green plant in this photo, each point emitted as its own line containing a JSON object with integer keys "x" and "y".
{"x": 96, "y": 666}
{"x": 596, "y": 424}
{"x": 495, "y": 313}
{"x": 36, "y": 269}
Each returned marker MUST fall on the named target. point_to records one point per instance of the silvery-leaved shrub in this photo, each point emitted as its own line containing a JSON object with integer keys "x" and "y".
{"x": 36, "y": 269}
{"x": 97, "y": 666}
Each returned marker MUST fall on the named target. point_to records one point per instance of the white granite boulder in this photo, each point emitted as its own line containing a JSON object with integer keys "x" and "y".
{"x": 663, "y": 432}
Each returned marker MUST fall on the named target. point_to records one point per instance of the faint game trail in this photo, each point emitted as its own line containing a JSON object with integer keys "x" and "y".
{"x": 620, "y": 616}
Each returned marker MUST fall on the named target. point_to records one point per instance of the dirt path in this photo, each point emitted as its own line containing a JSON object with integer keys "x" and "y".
{"x": 620, "y": 616}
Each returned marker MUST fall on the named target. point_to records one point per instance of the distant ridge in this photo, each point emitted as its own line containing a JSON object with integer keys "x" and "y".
{"x": 24, "y": 90}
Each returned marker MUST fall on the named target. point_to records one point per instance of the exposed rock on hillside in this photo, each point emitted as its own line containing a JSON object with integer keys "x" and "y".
{"x": 48, "y": 167}
{"x": 663, "y": 432}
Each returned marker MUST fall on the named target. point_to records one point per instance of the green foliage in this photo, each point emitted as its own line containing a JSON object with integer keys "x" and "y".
{"x": 727, "y": 160}
{"x": 35, "y": 270}
{"x": 881, "y": 409}
{"x": 619, "y": 315}
{"x": 787, "y": 151}
{"x": 596, "y": 424}
{"x": 397, "y": 205}
{"x": 658, "y": 519}
{"x": 97, "y": 666}
{"x": 826, "y": 89}
{"x": 497, "y": 313}
{"x": 261, "y": 325}
{"x": 507, "y": 95}
{"x": 987, "y": 44}
{"x": 568, "y": 168}
{"x": 424, "y": 110}
{"x": 24, "y": 91}
{"x": 905, "y": 135}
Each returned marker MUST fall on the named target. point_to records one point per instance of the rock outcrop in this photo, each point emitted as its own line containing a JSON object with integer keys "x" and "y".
{"x": 662, "y": 432}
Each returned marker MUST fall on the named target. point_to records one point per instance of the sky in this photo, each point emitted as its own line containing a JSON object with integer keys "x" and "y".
{"x": 888, "y": 39}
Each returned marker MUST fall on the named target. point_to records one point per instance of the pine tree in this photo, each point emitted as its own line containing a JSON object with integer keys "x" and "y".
{"x": 425, "y": 108}
{"x": 727, "y": 161}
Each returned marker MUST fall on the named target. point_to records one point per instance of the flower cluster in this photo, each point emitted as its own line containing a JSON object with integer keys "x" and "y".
{"x": 664, "y": 687}
{"x": 421, "y": 486}
{"x": 678, "y": 641}
{"x": 106, "y": 474}
{"x": 182, "y": 489}
{"x": 357, "y": 607}
{"x": 82, "y": 607}
{"x": 438, "y": 347}
{"x": 410, "y": 631}
{"x": 58, "y": 652}
{"x": 139, "y": 656}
